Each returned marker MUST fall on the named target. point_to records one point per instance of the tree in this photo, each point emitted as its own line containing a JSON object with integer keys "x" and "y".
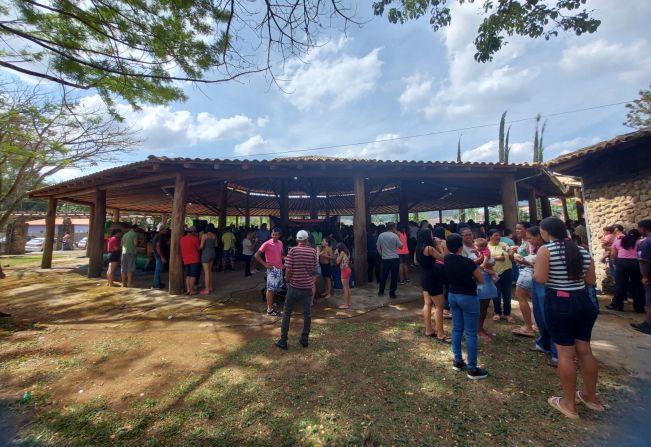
{"x": 538, "y": 148}
{"x": 504, "y": 148}
{"x": 532, "y": 18}
{"x": 459, "y": 150}
{"x": 639, "y": 111}
{"x": 39, "y": 137}
{"x": 140, "y": 50}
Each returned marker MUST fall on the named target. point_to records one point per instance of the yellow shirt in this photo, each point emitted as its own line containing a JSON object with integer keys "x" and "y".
{"x": 500, "y": 250}
{"x": 229, "y": 240}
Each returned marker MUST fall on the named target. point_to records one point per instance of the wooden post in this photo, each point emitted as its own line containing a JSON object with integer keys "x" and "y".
{"x": 403, "y": 207}
{"x": 440, "y": 216}
{"x": 176, "y": 276}
{"x": 566, "y": 215}
{"x": 48, "y": 244}
{"x": 116, "y": 215}
{"x": 327, "y": 207}
{"x": 223, "y": 205}
{"x": 509, "y": 201}
{"x": 247, "y": 210}
{"x": 545, "y": 207}
{"x": 284, "y": 207}
{"x": 359, "y": 230}
{"x": 578, "y": 194}
{"x": 163, "y": 218}
{"x": 314, "y": 208}
{"x": 533, "y": 207}
{"x": 487, "y": 216}
{"x": 91, "y": 219}
{"x": 96, "y": 237}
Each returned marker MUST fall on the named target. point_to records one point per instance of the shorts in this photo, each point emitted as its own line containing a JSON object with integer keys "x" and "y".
{"x": 326, "y": 270}
{"x": 525, "y": 278}
{"x": 404, "y": 259}
{"x": 569, "y": 318}
{"x": 432, "y": 284}
{"x": 228, "y": 256}
{"x": 345, "y": 273}
{"x": 192, "y": 270}
{"x": 115, "y": 256}
{"x": 274, "y": 279}
{"x": 128, "y": 263}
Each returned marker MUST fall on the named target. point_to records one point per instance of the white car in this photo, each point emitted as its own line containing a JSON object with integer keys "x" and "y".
{"x": 35, "y": 244}
{"x": 82, "y": 242}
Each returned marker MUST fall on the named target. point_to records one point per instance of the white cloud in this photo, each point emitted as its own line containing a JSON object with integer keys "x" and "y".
{"x": 567, "y": 146}
{"x": 417, "y": 89}
{"x": 262, "y": 121}
{"x": 489, "y": 152}
{"x": 253, "y": 145}
{"x": 385, "y": 147}
{"x": 330, "y": 78}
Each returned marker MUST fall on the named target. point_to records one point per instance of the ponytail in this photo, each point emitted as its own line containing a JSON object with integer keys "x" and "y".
{"x": 569, "y": 251}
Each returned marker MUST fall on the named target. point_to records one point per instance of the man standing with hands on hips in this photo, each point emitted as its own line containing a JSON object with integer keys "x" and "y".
{"x": 300, "y": 265}
{"x": 273, "y": 262}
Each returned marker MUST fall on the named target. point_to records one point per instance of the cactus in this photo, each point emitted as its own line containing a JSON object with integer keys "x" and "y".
{"x": 538, "y": 149}
{"x": 459, "y": 150}
{"x": 502, "y": 152}
{"x": 507, "y": 147}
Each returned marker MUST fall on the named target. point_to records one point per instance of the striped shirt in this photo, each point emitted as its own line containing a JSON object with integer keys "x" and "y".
{"x": 302, "y": 262}
{"x": 558, "y": 276}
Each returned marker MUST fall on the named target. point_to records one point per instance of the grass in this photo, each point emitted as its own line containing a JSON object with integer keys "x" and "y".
{"x": 371, "y": 383}
{"x": 24, "y": 260}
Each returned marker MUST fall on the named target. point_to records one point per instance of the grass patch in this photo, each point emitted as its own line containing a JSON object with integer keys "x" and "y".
{"x": 24, "y": 260}
{"x": 376, "y": 383}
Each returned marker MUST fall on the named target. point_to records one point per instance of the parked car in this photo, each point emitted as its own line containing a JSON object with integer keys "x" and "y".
{"x": 35, "y": 244}
{"x": 82, "y": 242}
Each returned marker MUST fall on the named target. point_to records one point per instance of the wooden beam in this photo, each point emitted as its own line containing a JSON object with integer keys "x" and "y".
{"x": 487, "y": 215}
{"x": 48, "y": 244}
{"x": 403, "y": 206}
{"x": 314, "y": 208}
{"x": 545, "y": 207}
{"x": 223, "y": 205}
{"x": 176, "y": 277}
{"x": 509, "y": 201}
{"x": 440, "y": 216}
{"x": 533, "y": 207}
{"x": 142, "y": 179}
{"x": 566, "y": 215}
{"x": 359, "y": 230}
{"x": 116, "y": 215}
{"x": 91, "y": 219}
{"x": 284, "y": 206}
{"x": 96, "y": 237}
{"x": 247, "y": 211}
{"x": 578, "y": 195}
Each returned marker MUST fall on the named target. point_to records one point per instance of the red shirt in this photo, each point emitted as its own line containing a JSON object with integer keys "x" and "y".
{"x": 189, "y": 245}
{"x": 113, "y": 244}
{"x": 302, "y": 262}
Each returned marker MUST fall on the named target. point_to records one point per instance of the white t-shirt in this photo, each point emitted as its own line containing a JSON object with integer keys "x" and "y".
{"x": 247, "y": 247}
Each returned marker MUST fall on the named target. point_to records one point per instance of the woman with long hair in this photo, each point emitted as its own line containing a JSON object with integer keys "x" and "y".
{"x": 628, "y": 277}
{"x": 432, "y": 284}
{"x": 525, "y": 257}
{"x": 565, "y": 268}
{"x": 343, "y": 261}
{"x": 403, "y": 255}
{"x": 208, "y": 255}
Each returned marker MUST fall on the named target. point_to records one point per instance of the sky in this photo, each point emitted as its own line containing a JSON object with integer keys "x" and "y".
{"x": 378, "y": 85}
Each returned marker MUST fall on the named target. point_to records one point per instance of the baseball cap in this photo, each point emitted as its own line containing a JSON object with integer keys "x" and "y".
{"x": 302, "y": 235}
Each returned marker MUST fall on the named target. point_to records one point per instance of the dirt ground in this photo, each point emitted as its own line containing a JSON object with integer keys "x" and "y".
{"x": 111, "y": 344}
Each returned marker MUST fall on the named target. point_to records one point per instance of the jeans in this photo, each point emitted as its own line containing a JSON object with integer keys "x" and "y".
{"x": 157, "y": 271}
{"x": 373, "y": 265}
{"x": 465, "y": 317}
{"x": 390, "y": 266}
{"x": 504, "y": 287}
{"x": 293, "y": 296}
{"x": 628, "y": 279}
{"x": 247, "y": 265}
{"x": 544, "y": 339}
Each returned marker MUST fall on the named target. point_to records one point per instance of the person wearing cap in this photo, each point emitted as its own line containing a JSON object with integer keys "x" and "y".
{"x": 158, "y": 244}
{"x": 300, "y": 265}
{"x": 189, "y": 245}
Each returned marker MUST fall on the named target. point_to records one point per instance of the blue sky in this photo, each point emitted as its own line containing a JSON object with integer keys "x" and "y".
{"x": 383, "y": 81}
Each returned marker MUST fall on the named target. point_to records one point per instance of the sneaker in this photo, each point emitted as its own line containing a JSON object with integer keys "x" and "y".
{"x": 282, "y": 345}
{"x": 643, "y": 327}
{"x": 477, "y": 373}
{"x": 537, "y": 347}
{"x": 459, "y": 365}
{"x": 273, "y": 313}
{"x": 304, "y": 343}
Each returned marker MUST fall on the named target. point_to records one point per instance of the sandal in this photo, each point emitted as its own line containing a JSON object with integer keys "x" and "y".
{"x": 432, "y": 335}
{"x": 555, "y": 403}
{"x": 522, "y": 332}
{"x": 510, "y": 319}
{"x": 497, "y": 317}
{"x": 343, "y": 306}
{"x": 444, "y": 340}
{"x": 590, "y": 405}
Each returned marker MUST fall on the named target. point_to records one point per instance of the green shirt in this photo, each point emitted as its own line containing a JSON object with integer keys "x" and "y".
{"x": 129, "y": 242}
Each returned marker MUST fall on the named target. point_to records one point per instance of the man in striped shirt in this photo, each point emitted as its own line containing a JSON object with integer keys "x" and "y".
{"x": 300, "y": 265}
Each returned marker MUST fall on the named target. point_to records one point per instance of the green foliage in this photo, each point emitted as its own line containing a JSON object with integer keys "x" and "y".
{"x": 502, "y": 149}
{"x": 39, "y": 137}
{"x": 639, "y": 111}
{"x": 459, "y": 150}
{"x": 538, "y": 148}
{"x": 507, "y": 146}
{"x": 142, "y": 50}
{"x": 502, "y": 18}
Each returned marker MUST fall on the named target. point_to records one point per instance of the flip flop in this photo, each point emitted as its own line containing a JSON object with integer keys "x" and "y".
{"x": 510, "y": 319}
{"x": 343, "y": 307}
{"x": 497, "y": 317}
{"x": 555, "y": 402}
{"x": 444, "y": 340}
{"x": 432, "y": 335}
{"x": 590, "y": 405}
{"x": 522, "y": 332}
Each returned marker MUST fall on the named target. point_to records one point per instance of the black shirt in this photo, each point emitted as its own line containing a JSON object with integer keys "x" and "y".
{"x": 459, "y": 271}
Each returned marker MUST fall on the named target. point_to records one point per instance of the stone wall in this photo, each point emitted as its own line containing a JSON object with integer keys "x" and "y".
{"x": 624, "y": 202}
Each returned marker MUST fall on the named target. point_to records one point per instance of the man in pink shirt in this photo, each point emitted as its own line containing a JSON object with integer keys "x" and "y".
{"x": 273, "y": 262}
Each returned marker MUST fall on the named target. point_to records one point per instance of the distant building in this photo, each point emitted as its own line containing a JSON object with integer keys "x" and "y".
{"x": 37, "y": 227}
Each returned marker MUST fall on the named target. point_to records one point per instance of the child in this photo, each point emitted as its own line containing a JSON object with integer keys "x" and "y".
{"x": 463, "y": 277}
{"x": 482, "y": 247}
{"x": 343, "y": 261}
